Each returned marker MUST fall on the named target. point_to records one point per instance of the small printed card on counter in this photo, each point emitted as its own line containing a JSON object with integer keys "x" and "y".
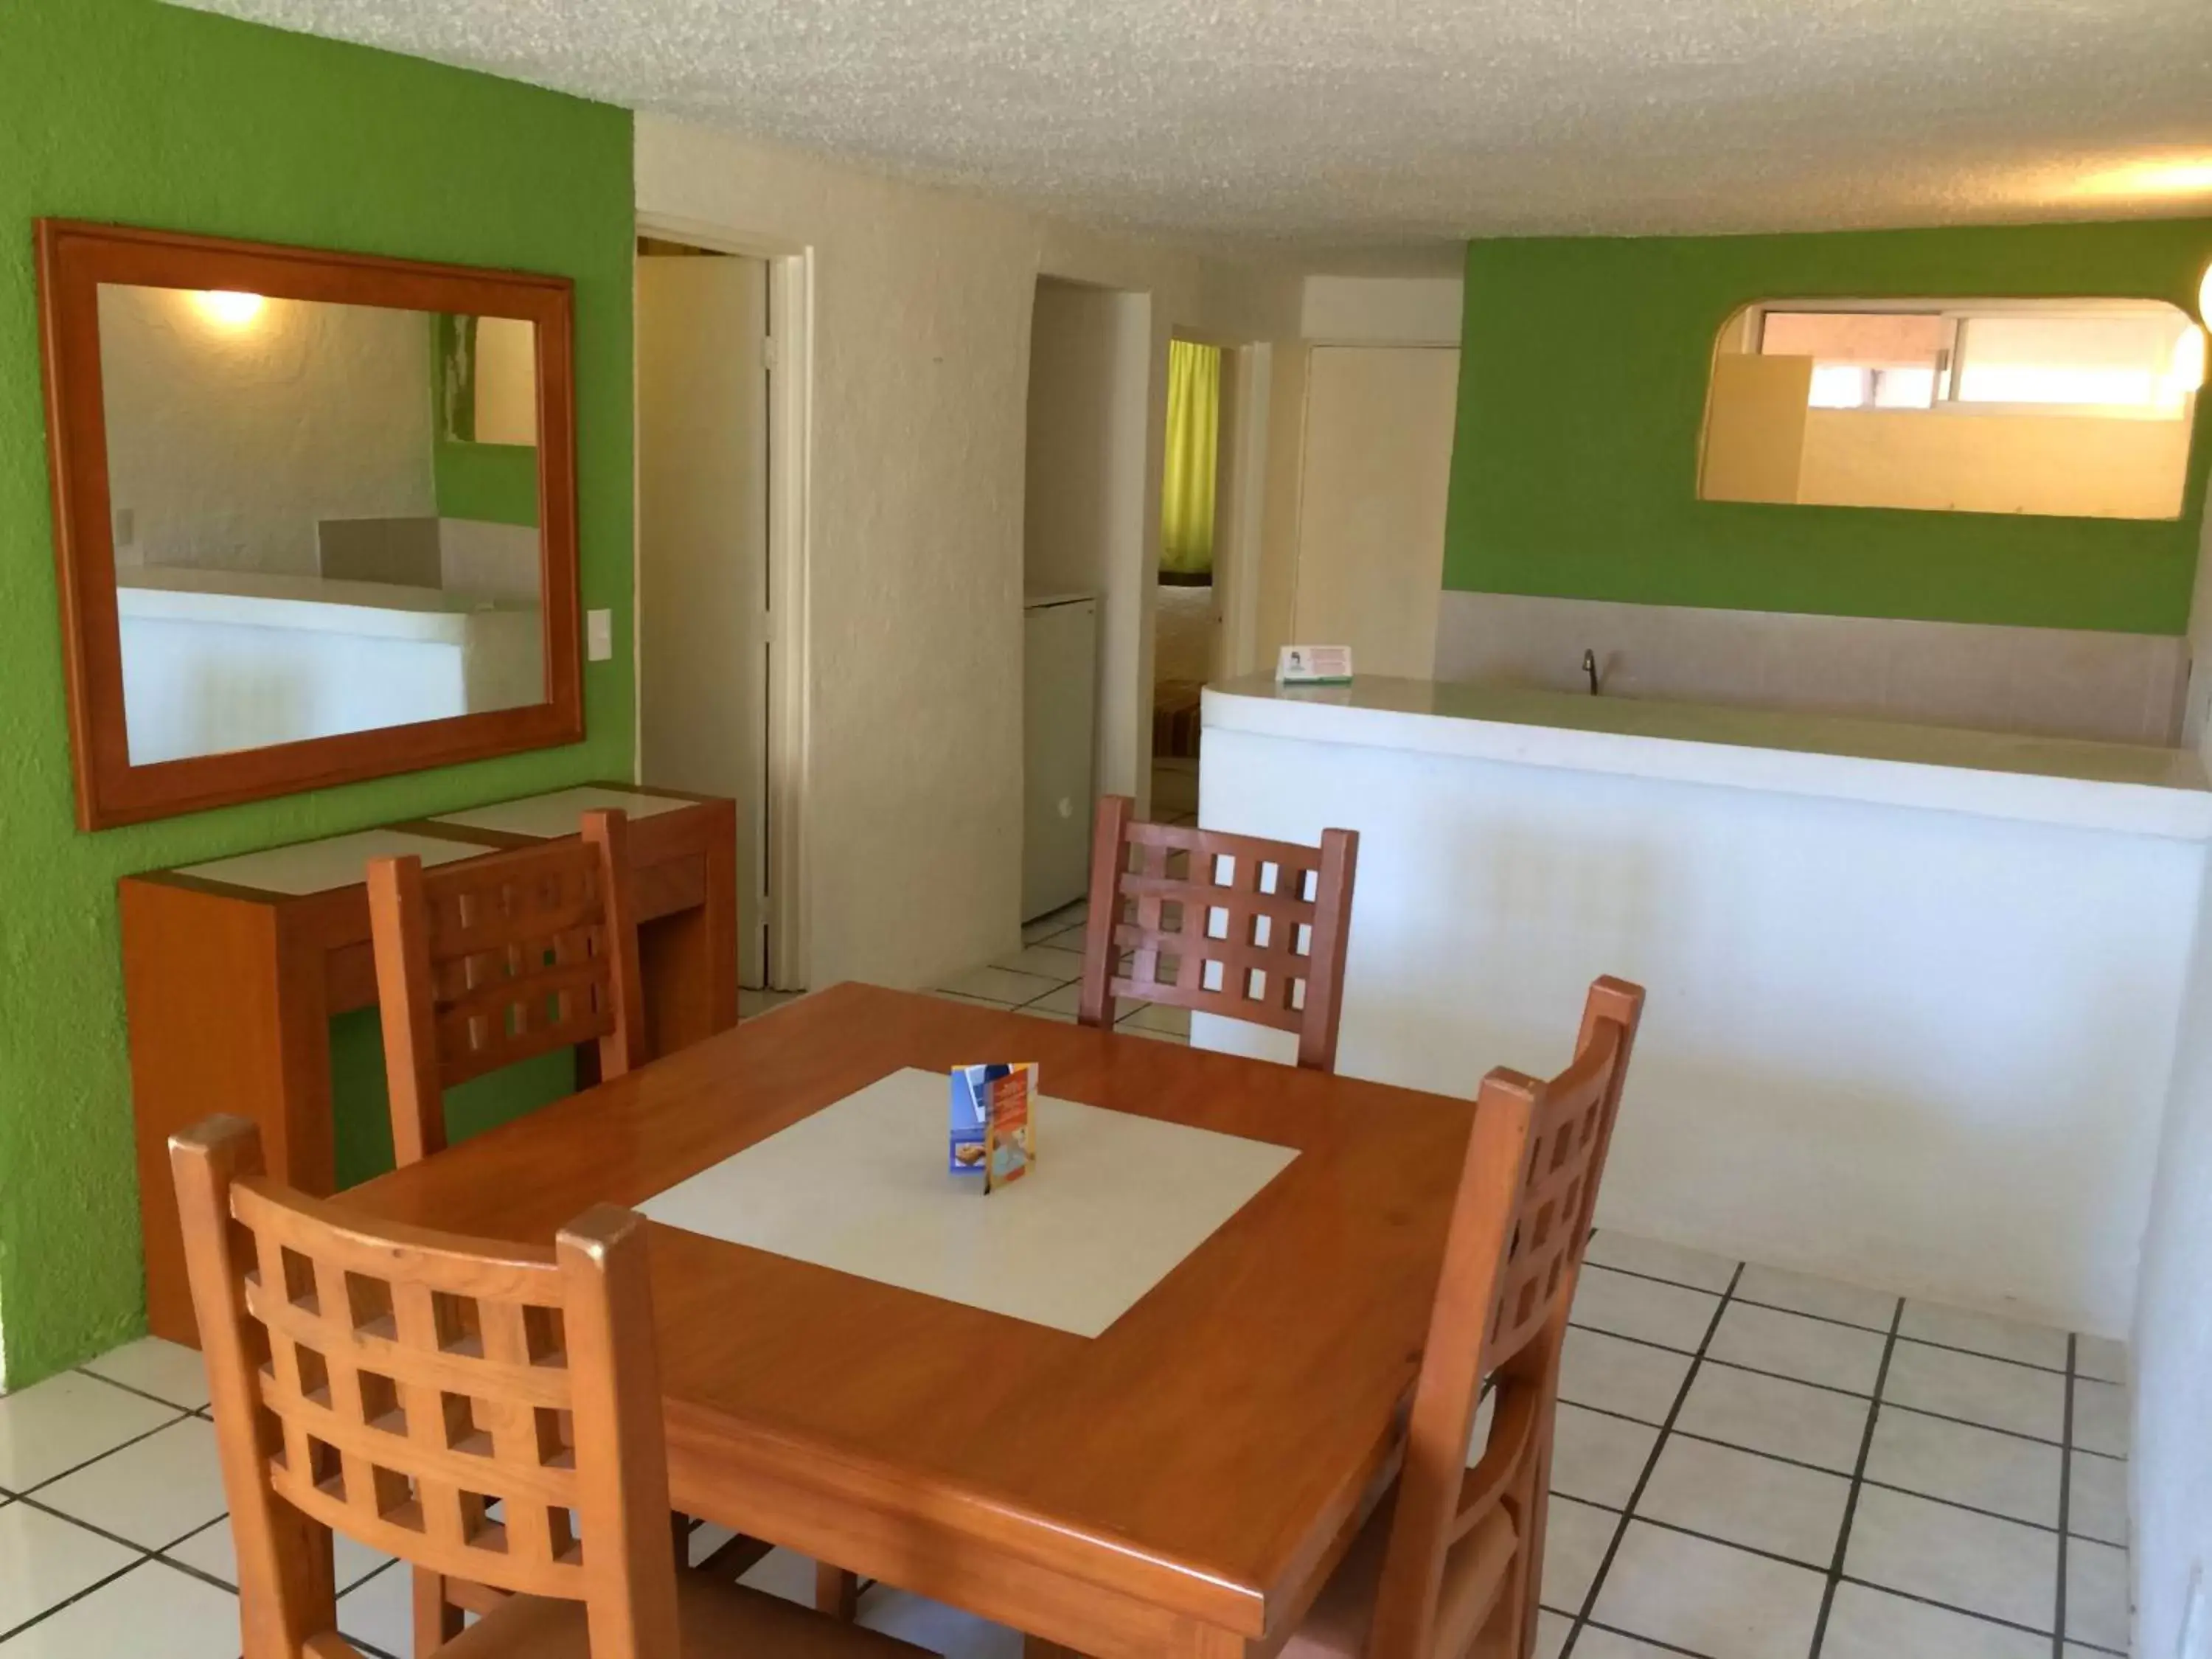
{"x": 993, "y": 1129}
{"x": 1314, "y": 664}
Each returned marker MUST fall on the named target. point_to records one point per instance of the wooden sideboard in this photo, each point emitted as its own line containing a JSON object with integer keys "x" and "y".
{"x": 232, "y": 969}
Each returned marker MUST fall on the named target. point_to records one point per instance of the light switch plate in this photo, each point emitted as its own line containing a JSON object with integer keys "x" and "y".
{"x": 599, "y": 634}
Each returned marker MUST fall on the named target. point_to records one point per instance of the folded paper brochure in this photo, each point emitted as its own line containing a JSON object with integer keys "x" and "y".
{"x": 993, "y": 1129}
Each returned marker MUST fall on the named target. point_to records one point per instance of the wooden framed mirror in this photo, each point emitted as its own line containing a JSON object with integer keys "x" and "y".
{"x": 315, "y": 515}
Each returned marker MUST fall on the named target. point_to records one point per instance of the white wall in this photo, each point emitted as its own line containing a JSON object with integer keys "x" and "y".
{"x": 923, "y": 304}
{"x": 2172, "y": 1465}
{"x": 226, "y": 442}
{"x": 1921, "y": 1050}
{"x": 214, "y": 663}
{"x": 1343, "y": 311}
{"x": 1084, "y": 513}
{"x": 1383, "y": 310}
{"x": 2172, "y": 1469}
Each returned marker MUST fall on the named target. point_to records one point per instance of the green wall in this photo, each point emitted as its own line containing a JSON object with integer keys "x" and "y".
{"x": 127, "y": 111}
{"x": 497, "y": 483}
{"x": 1582, "y": 397}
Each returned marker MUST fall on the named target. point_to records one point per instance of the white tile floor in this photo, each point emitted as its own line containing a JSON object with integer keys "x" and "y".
{"x": 1750, "y": 1465}
{"x": 1041, "y": 978}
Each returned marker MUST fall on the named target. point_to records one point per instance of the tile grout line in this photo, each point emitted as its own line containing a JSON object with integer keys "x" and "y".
{"x": 1968, "y": 1613}
{"x": 1858, "y": 1482}
{"x": 143, "y": 1556}
{"x": 1650, "y": 1462}
{"x": 1709, "y": 1439}
{"x": 97, "y": 1585}
{"x": 120, "y": 1445}
{"x": 1954, "y": 1503}
{"x": 1853, "y": 1325}
{"x": 1652, "y": 1642}
{"x": 2065, "y": 1494}
{"x": 1736, "y": 1544}
{"x": 1828, "y": 1388}
{"x": 128, "y": 1388}
{"x": 1719, "y": 1542}
{"x": 1648, "y": 1641}
{"x": 1824, "y": 1319}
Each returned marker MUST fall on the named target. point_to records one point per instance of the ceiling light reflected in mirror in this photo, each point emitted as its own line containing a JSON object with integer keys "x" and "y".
{"x": 230, "y": 308}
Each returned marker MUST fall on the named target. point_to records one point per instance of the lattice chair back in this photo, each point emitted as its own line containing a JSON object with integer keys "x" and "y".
{"x": 487, "y": 1411}
{"x": 492, "y": 960}
{"x": 1220, "y": 924}
{"x": 1467, "y": 1544}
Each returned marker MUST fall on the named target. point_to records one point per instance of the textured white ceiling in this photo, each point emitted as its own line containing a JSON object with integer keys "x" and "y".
{"x": 1345, "y": 123}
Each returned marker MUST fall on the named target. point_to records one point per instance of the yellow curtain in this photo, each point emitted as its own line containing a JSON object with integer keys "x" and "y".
{"x": 1186, "y": 481}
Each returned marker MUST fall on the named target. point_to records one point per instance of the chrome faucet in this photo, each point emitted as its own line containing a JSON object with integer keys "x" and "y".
{"x": 1589, "y": 667}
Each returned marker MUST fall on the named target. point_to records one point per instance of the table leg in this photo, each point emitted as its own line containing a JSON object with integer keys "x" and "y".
{"x": 837, "y": 1592}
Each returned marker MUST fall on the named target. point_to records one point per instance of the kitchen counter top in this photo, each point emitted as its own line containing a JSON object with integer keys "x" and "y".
{"x": 2060, "y": 781}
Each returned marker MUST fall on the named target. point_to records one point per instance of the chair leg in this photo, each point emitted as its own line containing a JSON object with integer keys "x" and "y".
{"x": 437, "y": 1620}
{"x": 837, "y": 1592}
{"x": 1500, "y": 1635}
{"x": 1524, "y": 1580}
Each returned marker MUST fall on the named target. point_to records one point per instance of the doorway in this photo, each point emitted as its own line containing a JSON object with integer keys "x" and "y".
{"x": 1087, "y": 706}
{"x": 1187, "y": 615}
{"x": 714, "y": 712}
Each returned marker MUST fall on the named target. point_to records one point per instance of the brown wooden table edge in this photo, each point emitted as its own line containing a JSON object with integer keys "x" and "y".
{"x": 709, "y": 1463}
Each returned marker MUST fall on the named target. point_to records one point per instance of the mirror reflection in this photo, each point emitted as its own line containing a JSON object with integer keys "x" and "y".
{"x": 2080, "y": 408}
{"x": 325, "y": 516}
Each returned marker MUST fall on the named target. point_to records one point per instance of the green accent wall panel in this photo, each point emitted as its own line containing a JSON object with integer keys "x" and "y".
{"x": 361, "y": 1109}
{"x": 140, "y": 114}
{"x": 1584, "y": 365}
{"x": 497, "y": 483}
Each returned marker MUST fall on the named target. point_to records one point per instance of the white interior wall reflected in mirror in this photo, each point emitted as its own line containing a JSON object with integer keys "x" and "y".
{"x": 324, "y": 516}
{"x": 2078, "y": 408}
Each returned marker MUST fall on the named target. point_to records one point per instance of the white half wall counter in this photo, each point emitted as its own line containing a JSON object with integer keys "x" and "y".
{"x": 1914, "y": 992}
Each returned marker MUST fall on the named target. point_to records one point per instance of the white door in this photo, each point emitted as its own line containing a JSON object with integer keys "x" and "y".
{"x": 702, "y": 592}
{"x": 1377, "y": 468}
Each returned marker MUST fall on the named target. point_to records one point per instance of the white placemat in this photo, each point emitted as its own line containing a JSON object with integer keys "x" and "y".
{"x": 1116, "y": 1201}
{"x": 560, "y": 812}
{"x": 316, "y": 867}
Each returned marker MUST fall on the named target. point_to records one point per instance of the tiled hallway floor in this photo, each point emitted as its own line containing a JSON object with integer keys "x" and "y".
{"x": 1041, "y": 978}
{"x": 1750, "y": 1465}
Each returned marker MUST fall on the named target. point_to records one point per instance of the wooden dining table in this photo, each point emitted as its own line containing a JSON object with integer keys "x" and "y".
{"x": 1180, "y": 1484}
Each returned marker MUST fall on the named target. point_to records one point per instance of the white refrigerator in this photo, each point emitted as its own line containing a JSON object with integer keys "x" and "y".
{"x": 1060, "y": 704}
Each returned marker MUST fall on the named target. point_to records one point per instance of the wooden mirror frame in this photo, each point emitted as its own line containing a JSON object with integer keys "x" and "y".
{"x": 74, "y": 259}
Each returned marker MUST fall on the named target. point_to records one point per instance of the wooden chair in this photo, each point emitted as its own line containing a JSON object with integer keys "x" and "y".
{"x": 1453, "y": 1567}
{"x": 397, "y": 1385}
{"x": 492, "y": 960}
{"x": 483, "y": 963}
{"x": 1219, "y": 923}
